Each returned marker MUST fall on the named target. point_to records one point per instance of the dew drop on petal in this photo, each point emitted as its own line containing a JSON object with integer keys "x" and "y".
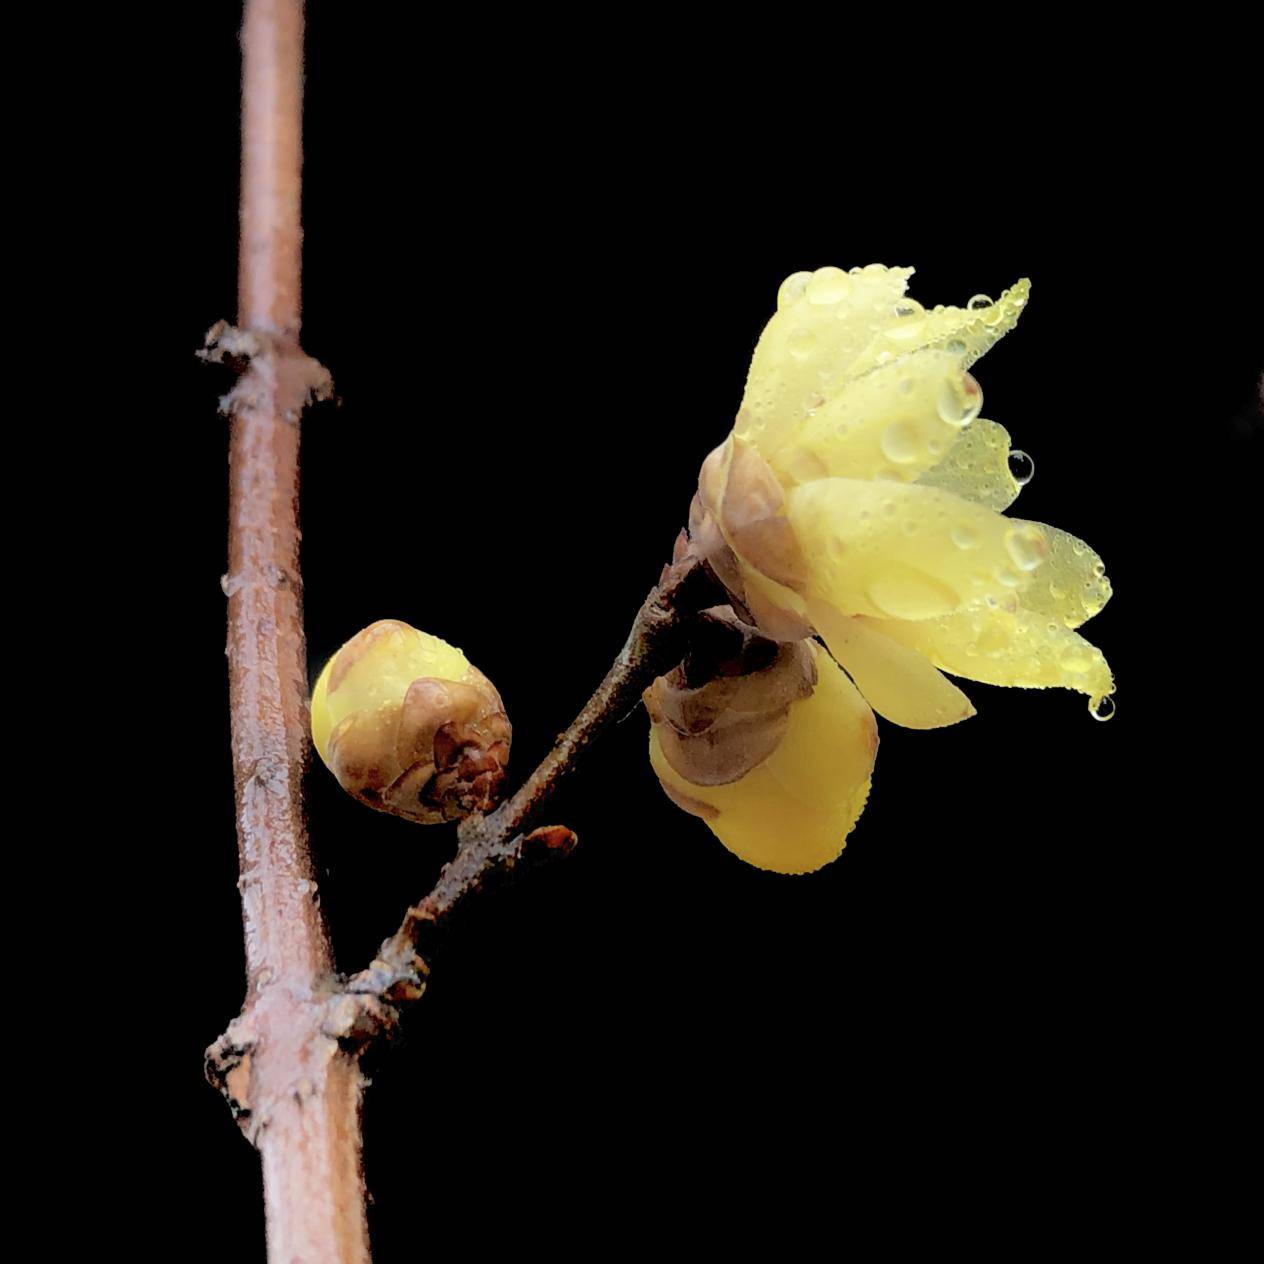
{"x": 800, "y": 343}
{"x": 977, "y": 301}
{"x": 1026, "y": 547}
{"x": 1021, "y": 467}
{"x": 828, "y": 285}
{"x": 910, "y": 320}
{"x": 792, "y": 288}
{"x": 899, "y": 442}
{"x": 960, "y": 400}
{"x": 965, "y": 537}
{"x": 1103, "y": 709}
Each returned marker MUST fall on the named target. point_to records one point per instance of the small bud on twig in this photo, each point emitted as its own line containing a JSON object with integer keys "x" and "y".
{"x": 409, "y": 726}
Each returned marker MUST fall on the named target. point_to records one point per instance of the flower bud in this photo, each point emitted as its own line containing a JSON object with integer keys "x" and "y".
{"x": 408, "y": 726}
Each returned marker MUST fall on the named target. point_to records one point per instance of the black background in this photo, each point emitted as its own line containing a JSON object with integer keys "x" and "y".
{"x": 537, "y": 282}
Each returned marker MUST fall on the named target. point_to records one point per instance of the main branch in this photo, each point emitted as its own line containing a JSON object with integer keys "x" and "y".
{"x": 289, "y": 1064}
{"x": 296, "y": 1094}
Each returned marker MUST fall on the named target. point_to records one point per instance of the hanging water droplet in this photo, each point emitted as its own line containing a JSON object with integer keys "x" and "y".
{"x": 978, "y": 301}
{"x": 828, "y": 285}
{"x": 1102, "y": 709}
{"x": 1021, "y": 467}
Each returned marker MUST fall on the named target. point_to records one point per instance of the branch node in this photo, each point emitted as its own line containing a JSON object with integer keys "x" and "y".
{"x": 274, "y": 371}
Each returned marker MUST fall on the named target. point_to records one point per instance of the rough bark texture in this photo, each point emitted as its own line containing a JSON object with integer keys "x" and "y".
{"x": 289, "y": 1064}
{"x": 293, "y": 1089}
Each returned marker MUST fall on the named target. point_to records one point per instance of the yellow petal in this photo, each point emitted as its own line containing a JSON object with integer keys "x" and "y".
{"x": 904, "y": 551}
{"x": 824, "y": 321}
{"x": 897, "y": 682}
{"x": 1072, "y": 585}
{"x": 966, "y": 332}
{"x": 894, "y": 423}
{"x": 1020, "y": 648}
{"x": 976, "y": 467}
{"x": 793, "y": 812}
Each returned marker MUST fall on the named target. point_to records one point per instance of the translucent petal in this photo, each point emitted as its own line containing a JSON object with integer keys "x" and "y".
{"x": 897, "y": 682}
{"x": 792, "y": 813}
{"x": 896, "y": 422}
{"x": 967, "y": 332}
{"x": 1072, "y": 585}
{"x": 1000, "y": 647}
{"x": 824, "y": 321}
{"x": 904, "y": 551}
{"x": 976, "y": 467}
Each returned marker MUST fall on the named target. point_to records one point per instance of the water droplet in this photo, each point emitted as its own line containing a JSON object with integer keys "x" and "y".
{"x": 960, "y": 399}
{"x": 1102, "y": 709}
{"x": 964, "y": 536}
{"x": 230, "y": 584}
{"x": 800, "y": 343}
{"x": 899, "y": 442}
{"x": 978, "y": 301}
{"x": 955, "y": 347}
{"x": 1021, "y": 467}
{"x": 792, "y": 289}
{"x": 1008, "y": 578}
{"x": 828, "y": 285}
{"x": 907, "y": 307}
{"x": 1026, "y": 547}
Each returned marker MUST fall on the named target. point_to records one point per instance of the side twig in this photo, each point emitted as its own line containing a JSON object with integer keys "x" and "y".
{"x": 492, "y": 845}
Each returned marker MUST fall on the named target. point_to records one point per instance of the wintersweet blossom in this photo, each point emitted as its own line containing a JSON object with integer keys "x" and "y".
{"x": 859, "y": 499}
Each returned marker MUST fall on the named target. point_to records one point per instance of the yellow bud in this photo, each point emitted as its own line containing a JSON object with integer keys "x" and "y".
{"x": 408, "y": 726}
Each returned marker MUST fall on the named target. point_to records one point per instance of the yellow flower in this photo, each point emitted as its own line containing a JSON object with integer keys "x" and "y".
{"x": 859, "y": 499}
{"x": 409, "y": 726}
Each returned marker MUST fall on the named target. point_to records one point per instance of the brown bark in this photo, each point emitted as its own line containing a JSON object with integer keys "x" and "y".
{"x": 289, "y": 1063}
{"x": 296, "y": 1093}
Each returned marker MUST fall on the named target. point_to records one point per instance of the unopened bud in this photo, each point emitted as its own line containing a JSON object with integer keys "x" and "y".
{"x": 407, "y": 725}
